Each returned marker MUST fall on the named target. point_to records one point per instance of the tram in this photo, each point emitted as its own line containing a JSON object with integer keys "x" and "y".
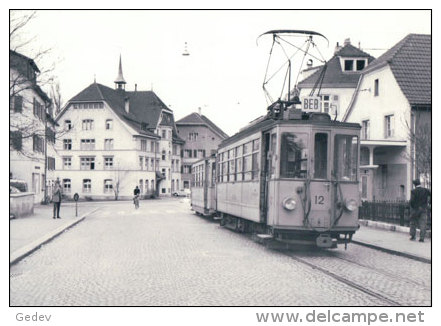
{"x": 291, "y": 175}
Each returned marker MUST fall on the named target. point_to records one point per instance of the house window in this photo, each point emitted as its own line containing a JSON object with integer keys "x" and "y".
{"x": 141, "y": 162}
{"x": 108, "y": 162}
{"x": 152, "y": 164}
{"x": 108, "y": 186}
{"x": 108, "y": 144}
{"x": 146, "y": 163}
{"x": 87, "y": 144}
{"x": 67, "y": 186}
{"x": 187, "y": 153}
{"x": 152, "y": 147}
{"x": 16, "y": 103}
{"x": 16, "y": 140}
{"x": 164, "y": 134}
{"x": 67, "y": 144}
{"x": 193, "y": 136}
{"x": 87, "y": 185}
{"x": 87, "y": 163}
{"x": 143, "y": 145}
{"x": 67, "y": 163}
{"x": 157, "y": 165}
{"x": 175, "y": 150}
{"x": 389, "y": 126}
{"x": 163, "y": 172}
{"x": 87, "y": 124}
{"x": 201, "y": 153}
{"x": 376, "y": 87}
{"x": 361, "y": 64}
{"x": 349, "y": 65}
{"x": 141, "y": 186}
{"x": 163, "y": 155}
{"x": 109, "y": 124}
{"x": 38, "y": 144}
{"x": 50, "y": 163}
{"x": 326, "y": 103}
{"x": 67, "y": 125}
{"x": 365, "y": 129}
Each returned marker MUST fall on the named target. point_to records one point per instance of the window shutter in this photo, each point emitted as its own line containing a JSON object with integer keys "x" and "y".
{"x": 18, "y": 103}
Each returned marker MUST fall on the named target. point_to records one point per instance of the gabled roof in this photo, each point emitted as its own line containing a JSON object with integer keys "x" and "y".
{"x": 145, "y": 106}
{"x": 335, "y": 77}
{"x": 411, "y": 63}
{"x": 196, "y": 119}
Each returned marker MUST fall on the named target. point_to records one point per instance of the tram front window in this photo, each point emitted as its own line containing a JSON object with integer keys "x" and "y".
{"x": 345, "y": 157}
{"x": 294, "y": 155}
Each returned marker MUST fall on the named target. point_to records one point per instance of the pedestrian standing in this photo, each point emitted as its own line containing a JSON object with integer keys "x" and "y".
{"x": 136, "y": 193}
{"x": 56, "y": 198}
{"x": 419, "y": 202}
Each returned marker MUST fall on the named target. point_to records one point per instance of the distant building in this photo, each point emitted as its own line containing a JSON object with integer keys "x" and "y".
{"x": 202, "y": 138}
{"x": 393, "y": 103}
{"x": 31, "y": 127}
{"x": 115, "y": 140}
{"x": 340, "y": 79}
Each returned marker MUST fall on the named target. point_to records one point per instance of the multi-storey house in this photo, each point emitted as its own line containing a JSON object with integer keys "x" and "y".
{"x": 31, "y": 128}
{"x": 393, "y": 104}
{"x": 202, "y": 138}
{"x": 116, "y": 140}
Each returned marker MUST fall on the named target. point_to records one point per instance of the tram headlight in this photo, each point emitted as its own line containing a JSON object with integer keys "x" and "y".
{"x": 289, "y": 204}
{"x": 351, "y": 204}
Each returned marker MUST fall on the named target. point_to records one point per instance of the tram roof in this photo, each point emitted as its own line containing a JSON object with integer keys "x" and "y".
{"x": 268, "y": 123}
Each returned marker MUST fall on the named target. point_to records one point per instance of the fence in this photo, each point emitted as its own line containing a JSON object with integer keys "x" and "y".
{"x": 394, "y": 212}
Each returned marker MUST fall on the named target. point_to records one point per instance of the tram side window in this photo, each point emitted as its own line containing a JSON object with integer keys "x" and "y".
{"x": 320, "y": 155}
{"x": 345, "y": 157}
{"x": 294, "y": 155}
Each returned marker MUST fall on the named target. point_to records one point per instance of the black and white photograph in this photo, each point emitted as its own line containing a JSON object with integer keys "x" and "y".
{"x": 220, "y": 166}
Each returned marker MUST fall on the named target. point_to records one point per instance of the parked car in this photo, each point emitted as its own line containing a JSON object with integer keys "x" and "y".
{"x": 21, "y": 185}
{"x": 182, "y": 193}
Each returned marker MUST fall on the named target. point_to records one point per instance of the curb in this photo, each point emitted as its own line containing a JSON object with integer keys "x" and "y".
{"x": 391, "y": 227}
{"x": 25, "y": 251}
{"x": 394, "y": 252}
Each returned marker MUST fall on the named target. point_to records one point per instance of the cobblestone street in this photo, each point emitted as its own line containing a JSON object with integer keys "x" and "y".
{"x": 165, "y": 255}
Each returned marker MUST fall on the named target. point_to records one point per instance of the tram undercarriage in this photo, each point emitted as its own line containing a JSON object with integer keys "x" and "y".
{"x": 305, "y": 237}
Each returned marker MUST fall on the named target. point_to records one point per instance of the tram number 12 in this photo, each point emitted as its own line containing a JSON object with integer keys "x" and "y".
{"x": 311, "y": 104}
{"x": 319, "y": 200}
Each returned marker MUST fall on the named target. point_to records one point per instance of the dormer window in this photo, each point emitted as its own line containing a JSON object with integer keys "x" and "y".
{"x": 354, "y": 64}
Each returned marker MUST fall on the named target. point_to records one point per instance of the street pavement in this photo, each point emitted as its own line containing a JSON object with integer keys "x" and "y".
{"x": 29, "y": 233}
{"x": 164, "y": 255}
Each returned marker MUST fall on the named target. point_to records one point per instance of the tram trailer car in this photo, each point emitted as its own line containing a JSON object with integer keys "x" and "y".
{"x": 203, "y": 186}
{"x": 293, "y": 179}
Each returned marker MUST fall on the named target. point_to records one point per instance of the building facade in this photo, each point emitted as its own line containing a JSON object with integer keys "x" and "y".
{"x": 115, "y": 140}
{"x": 31, "y": 128}
{"x": 202, "y": 138}
{"x": 393, "y": 104}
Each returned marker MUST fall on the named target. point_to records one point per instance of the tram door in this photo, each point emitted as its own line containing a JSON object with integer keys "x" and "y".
{"x": 265, "y": 176}
{"x": 320, "y": 186}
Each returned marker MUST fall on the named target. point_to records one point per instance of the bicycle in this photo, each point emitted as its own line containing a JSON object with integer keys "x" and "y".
{"x": 136, "y": 201}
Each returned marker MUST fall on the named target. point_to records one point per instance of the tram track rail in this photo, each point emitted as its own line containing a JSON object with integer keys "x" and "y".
{"x": 352, "y": 282}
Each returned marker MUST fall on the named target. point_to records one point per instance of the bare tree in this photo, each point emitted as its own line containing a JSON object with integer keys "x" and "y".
{"x": 420, "y": 137}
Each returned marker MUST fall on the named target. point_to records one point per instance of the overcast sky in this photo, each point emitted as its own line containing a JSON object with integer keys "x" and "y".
{"x": 225, "y": 69}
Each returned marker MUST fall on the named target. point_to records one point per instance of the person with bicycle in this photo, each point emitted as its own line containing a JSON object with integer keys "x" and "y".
{"x": 136, "y": 193}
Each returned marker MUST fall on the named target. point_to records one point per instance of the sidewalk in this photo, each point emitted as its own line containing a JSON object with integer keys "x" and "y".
{"x": 395, "y": 242}
{"x": 27, "y": 234}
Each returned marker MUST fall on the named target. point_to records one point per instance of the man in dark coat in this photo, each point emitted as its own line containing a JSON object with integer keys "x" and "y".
{"x": 56, "y": 198}
{"x": 419, "y": 202}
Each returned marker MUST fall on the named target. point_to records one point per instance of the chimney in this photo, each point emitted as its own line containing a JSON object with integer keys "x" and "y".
{"x": 127, "y": 104}
{"x": 337, "y": 48}
{"x": 347, "y": 41}
{"x": 136, "y": 87}
{"x": 199, "y": 110}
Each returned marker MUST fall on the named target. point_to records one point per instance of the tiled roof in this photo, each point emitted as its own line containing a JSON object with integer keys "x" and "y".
{"x": 145, "y": 106}
{"x": 334, "y": 76}
{"x": 411, "y": 63}
{"x": 198, "y": 119}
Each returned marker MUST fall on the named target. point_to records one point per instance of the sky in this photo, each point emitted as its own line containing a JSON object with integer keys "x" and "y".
{"x": 224, "y": 72}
